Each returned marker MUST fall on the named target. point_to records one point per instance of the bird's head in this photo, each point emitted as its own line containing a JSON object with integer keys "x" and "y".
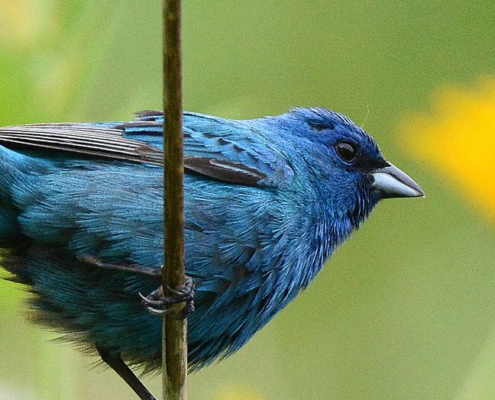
{"x": 348, "y": 161}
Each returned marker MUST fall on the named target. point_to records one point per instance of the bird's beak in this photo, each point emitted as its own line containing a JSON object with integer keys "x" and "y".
{"x": 392, "y": 182}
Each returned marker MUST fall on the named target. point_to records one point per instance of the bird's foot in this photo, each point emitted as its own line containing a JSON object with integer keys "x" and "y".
{"x": 156, "y": 302}
{"x": 159, "y": 304}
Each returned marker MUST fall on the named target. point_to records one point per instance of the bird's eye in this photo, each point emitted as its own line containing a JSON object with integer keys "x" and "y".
{"x": 347, "y": 151}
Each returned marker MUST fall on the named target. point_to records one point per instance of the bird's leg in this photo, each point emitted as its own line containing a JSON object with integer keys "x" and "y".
{"x": 156, "y": 302}
{"x": 159, "y": 304}
{"x": 132, "y": 268}
{"x": 120, "y": 367}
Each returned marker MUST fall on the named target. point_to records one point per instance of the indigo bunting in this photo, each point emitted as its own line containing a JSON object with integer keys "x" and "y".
{"x": 267, "y": 201}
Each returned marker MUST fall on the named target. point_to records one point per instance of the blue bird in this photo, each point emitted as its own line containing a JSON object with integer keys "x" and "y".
{"x": 267, "y": 201}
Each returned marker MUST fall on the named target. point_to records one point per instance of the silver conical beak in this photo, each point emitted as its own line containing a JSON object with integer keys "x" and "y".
{"x": 392, "y": 182}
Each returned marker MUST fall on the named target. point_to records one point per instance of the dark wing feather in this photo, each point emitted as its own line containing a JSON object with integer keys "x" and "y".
{"x": 226, "y": 171}
{"x": 80, "y": 139}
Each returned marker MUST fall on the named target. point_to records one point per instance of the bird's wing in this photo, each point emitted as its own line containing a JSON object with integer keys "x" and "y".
{"x": 227, "y": 150}
{"x": 220, "y": 149}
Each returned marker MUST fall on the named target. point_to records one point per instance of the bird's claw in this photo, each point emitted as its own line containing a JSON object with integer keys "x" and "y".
{"x": 158, "y": 304}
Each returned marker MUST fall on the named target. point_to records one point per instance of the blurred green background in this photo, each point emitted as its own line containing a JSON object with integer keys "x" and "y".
{"x": 406, "y": 309}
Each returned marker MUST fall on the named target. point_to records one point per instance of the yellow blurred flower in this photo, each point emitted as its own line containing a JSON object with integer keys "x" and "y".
{"x": 23, "y": 21}
{"x": 238, "y": 393}
{"x": 458, "y": 139}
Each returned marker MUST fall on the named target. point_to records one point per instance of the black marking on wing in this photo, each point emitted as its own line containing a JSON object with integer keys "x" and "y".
{"x": 223, "y": 170}
{"x": 156, "y": 126}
